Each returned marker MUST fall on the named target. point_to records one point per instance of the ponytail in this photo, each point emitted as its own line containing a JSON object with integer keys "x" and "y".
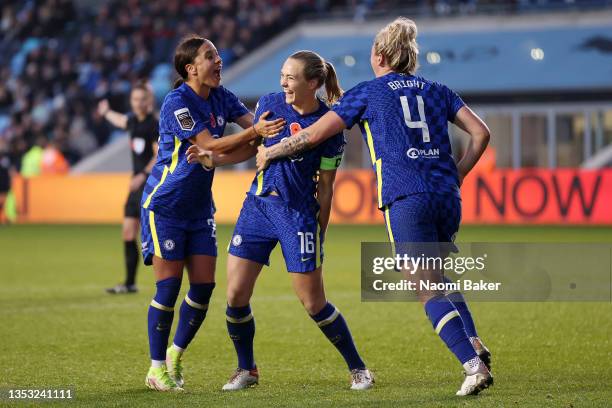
{"x": 315, "y": 67}
{"x": 397, "y": 43}
{"x": 178, "y": 82}
{"x": 332, "y": 86}
{"x": 185, "y": 53}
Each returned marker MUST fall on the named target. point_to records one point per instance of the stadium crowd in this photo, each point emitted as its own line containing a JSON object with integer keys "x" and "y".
{"x": 60, "y": 57}
{"x": 58, "y": 60}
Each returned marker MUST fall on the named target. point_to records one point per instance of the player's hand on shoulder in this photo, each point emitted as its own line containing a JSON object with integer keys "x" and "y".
{"x": 261, "y": 159}
{"x": 197, "y": 155}
{"x": 269, "y": 128}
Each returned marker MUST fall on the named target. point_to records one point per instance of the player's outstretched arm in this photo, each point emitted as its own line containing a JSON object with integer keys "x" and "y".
{"x": 206, "y": 141}
{"x": 324, "y": 128}
{"x": 115, "y": 118}
{"x": 209, "y": 160}
{"x": 479, "y": 133}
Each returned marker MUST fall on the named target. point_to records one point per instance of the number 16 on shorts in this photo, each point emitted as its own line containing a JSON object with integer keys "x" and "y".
{"x": 307, "y": 244}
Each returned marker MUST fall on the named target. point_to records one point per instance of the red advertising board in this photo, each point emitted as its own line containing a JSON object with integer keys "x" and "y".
{"x": 532, "y": 196}
{"x": 537, "y": 196}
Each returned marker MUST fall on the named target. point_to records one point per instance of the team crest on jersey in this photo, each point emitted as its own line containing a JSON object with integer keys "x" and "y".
{"x": 237, "y": 240}
{"x": 169, "y": 244}
{"x": 184, "y": 118}
{"x": 220, "y": 120}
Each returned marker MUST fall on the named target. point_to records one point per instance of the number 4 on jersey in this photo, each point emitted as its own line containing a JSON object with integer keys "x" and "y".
{"x": 420, "y": 124}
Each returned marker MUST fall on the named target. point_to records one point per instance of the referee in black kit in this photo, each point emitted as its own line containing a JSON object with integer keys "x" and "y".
{"x": 5, "y": 177}
{"x": 142, "y": 126}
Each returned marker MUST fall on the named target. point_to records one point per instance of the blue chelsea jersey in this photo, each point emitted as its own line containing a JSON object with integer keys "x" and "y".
{"x": 294, "y": 178}
{"x": 176, "y": 188}
{"x": 404, "y": 121}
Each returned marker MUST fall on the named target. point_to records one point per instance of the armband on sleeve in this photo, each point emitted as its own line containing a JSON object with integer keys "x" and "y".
{"x": 331, "y": 163}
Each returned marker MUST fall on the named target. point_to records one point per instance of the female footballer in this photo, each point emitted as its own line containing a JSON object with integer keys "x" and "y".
{"x": 290, "y": 203}
{"x": 404, "y": 118}
{"x": 178, "y": 228}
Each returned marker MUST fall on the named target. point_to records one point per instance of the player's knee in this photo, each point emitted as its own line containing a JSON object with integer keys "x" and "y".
{"x": 129, "y": 232}
{"x": 201, "y": 292}
{"x": 238, "y": 296}
{"x": 313, "y": 303}
{"x": 167, "y": 291}
{"x": 128, "y": 236}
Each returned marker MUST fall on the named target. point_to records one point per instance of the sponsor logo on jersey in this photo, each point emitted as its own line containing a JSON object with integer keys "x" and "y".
{"x": 184, "y": 118}
{"x": 415, "y": 153}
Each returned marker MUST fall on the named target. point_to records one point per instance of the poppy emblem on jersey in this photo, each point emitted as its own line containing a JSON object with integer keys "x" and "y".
{"x": 237, "y": 240}
{"x": 213, "y": 122}
{"x": 294, "y": 127}
{"x": 169, "y": 245}
{"x": 220, "y": 120}
{"x": 184, "y": 118}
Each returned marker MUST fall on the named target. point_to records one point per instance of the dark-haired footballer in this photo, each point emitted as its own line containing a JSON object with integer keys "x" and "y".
{"x": 177, "y": 216}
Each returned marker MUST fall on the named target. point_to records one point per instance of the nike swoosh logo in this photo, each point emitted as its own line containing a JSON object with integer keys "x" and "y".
{"x": 306, "y": 259}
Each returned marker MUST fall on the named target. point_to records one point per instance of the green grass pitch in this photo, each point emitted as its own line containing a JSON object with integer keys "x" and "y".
{"x": 58, "y": 328}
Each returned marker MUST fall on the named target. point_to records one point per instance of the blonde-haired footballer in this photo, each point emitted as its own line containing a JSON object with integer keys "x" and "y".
{"x": 404, "y": 120}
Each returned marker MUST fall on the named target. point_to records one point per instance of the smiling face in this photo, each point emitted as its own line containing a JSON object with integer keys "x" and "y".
{"x": 296, "y": 87}
{"x": 206, "y": 67}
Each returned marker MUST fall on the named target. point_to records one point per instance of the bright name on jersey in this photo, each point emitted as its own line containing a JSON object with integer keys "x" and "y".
{"x": 395, "y": 85}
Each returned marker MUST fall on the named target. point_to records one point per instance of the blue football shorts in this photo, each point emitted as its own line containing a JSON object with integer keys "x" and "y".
{"x": 175, "y": 239}
{"x": 428, "y": 218}
{"x": 265, "y": 221}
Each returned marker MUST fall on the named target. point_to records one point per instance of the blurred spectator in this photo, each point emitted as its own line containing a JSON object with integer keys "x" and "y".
{"x": 59, "y": 60}
{"x": 52, "y": 161}
{"x": 31, "y": 165}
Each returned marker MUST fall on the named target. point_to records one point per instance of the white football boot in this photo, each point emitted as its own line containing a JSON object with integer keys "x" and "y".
{"x": 361, "y": 379}
{"x": 242, "y": 379}
{"x": 477, "y": 378}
